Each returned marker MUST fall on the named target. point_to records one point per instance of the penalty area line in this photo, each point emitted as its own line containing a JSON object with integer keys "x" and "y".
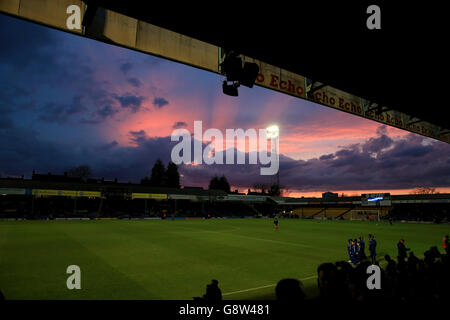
{"x": 257, "y": 288}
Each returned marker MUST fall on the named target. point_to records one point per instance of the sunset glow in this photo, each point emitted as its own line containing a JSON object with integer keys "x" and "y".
{"x": 68, "y": 101}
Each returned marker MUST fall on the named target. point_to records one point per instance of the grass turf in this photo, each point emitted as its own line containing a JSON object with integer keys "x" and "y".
{"x": 156, "y": 259}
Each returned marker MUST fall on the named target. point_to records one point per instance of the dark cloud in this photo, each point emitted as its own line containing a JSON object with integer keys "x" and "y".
{"x": 37, "y": 50}
{"x": 382, "y": 130}
{"x": 179, "y": 124}
{"x": 138, "y": 137}
{"x": 160, "y": 102}
{"x": 23, "y": 150}
{"x": 61, "y": 113}
{"x": 10, "y": 94}
{"x": 109, "y": 146}
{"x": 13, "y": 98}
{"x": 106, "y": 111}
{"x": 374, "y": 145}
{"x": 53, "y": 112}
{"x": 406, "y": 164}
{"x": 138, "y": 133}
{"x": 37, "y": 59}
{"x": 125, "y": 67}
{"x": 401, "y": 164}
{"x": 409, "y": 151}
{"x": 6, "y": 122}
{"x": 132, "y": 102}
{"x": 135, "y": 82}
{"x": 327, "y": 157}
{"x": 100, "y": 115}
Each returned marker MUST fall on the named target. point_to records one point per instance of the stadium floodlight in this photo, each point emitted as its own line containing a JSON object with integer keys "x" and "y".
{"x": 249, "y": 74}
{"x": 272, "y": 131}
{"x": 89, "y": 14}
{"x": 232, "y": 68}
{"x": 230, "y": 89}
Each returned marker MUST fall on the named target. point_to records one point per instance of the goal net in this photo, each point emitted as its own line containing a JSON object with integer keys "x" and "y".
{"x": 365, "y": 214}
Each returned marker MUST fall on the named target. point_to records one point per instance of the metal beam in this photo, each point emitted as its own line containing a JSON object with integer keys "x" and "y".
{"x": 379, "y": 109}
{"x": 414, "y": 122}
{"x": 313, "y": 89}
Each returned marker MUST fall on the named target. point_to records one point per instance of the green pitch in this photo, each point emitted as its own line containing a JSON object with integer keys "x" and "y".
{"x": 154, "y": 259}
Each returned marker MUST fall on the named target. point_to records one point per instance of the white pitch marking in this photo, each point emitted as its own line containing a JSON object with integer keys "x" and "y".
{"x": 260, "y": 239}
{"x": 257, "y": 288}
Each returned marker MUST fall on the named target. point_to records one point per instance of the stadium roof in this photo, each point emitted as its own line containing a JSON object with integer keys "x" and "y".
{"x": 327, "y": 42}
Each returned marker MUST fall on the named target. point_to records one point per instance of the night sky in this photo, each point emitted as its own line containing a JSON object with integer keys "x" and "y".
{"x": 67, "y": 101}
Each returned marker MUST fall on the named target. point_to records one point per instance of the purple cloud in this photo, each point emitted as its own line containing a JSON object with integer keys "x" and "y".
{"x": 179, "y": 124}
{"x": 135, "y": 82}
{"x": 132, "y": 102}
{"x": 125, "y": 67}
{"x": 160, "y": 102}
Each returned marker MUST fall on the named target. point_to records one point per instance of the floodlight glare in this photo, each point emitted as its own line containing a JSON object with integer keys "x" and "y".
{"x": 272, "y": 131}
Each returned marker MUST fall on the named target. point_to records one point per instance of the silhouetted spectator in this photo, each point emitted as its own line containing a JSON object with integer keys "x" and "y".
{"x": 351, "y": 251}
{"x": 362, "y": 245}
{"x": 357, "y": 250}
{"x": 391, "y": 268}
{"x": 213, "y": 293}
{"x": 446, "y": 245}
{"x": 402, "y": 249}
{"x": 372, "y": 248}
{"x": 412, "y": 260}
{"x": 289, "y": 290}
{"x": 413, "y": 281}
{"x": 435, "y": 254}
{"x": 331, "y": 284}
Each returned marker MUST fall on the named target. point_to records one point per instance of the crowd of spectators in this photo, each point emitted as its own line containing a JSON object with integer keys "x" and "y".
{"x": 402, "y": 280}
{"x": 437, "y": 213}
{"x": 405, "y": 280}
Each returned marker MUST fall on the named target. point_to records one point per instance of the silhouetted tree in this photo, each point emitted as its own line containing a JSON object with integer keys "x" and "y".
{"x": 83, "y": 172}
{"x": 173, "y": 176}
{"x": 275, "y": 190}
{"x": 425, "y": 190}
{"x": 261, "y": 187}
{"x": 220, "y": 184}
{"x": 214, "y": 183}
{"x": 224, "y": 185}
{"x": 158, "y": 178}
{"x": 145, "y": 181}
